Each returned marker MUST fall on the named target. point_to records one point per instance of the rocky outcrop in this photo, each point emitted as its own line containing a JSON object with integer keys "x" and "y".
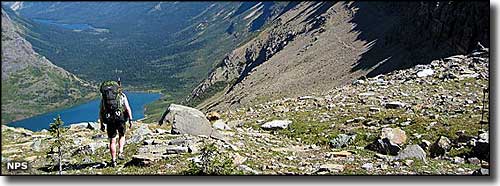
{"x": 187, "y": 120}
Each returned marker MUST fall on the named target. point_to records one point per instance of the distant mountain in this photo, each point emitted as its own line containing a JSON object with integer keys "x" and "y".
{"x": 317, "y": 46}
{"x": 31, "y": 84}
{"x": 169, "y": 46}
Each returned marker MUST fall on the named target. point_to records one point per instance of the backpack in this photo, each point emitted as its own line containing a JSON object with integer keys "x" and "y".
{"x": 114, "y": 112}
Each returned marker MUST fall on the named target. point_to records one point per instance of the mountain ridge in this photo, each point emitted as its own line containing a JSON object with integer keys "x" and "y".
{"x": 370, "y": 38}
{"x": 31, "y": 84}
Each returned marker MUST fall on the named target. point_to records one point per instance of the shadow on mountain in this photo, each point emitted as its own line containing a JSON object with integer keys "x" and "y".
{"x": 400, "y": 35}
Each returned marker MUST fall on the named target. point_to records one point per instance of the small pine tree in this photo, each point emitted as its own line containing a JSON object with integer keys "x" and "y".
{"x": 57, "y": 131}
{"x": 213, "y": 162}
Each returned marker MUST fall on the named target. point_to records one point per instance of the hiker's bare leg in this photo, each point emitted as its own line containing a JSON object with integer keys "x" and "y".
{"x": 121, "y": 144}
{"x": 112, "y": 148}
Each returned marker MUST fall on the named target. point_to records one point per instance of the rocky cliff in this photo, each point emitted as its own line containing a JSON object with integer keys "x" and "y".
{"x": 319, "y": 45}
{"x": 31, "y": 84}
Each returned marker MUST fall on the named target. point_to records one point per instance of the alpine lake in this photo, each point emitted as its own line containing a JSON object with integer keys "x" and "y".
{"x": 86, "y": 112}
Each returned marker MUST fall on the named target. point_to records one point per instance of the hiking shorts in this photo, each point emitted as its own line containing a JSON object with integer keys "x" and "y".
{"x": 116, "y": 128}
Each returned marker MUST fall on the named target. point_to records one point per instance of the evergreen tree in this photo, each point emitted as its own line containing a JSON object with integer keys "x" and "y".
{"x": 57, "y": 131}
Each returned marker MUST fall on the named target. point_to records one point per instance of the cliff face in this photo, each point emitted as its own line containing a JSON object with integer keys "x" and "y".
{"x": 319, "y": 45}
{"x": 423, "y": 31}
{"x": 31, "y": 84}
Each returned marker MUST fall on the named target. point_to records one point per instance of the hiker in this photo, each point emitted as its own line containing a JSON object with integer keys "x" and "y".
{"x": 115, "y": 111}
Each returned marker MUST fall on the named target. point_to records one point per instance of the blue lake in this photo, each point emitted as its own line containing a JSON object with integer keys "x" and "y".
{"x": 87, "y": 112}
{"x": 76, "y": 26}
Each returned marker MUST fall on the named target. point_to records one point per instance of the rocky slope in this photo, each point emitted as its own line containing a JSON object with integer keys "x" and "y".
{"x": 426, "y": 120}
{"x": 31, "y": 84}
{"x": 319, "y": 45}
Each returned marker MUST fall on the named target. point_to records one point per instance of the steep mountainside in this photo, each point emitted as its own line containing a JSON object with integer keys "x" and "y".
{"x": 31, "y": 84}
{"x": 319, "y": 45}
{"x": 152, "y": 45}
{"x": 426, "y": 120}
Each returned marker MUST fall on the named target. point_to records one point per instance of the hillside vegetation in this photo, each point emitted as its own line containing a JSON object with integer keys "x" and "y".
{"x": 31, "y": 84}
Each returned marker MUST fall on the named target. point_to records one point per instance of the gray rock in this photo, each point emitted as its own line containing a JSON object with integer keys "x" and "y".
{"x": 36, "y": 145}
{"x": 88, "y": 149}
{"x": 342, "y": 140}
{"x": 276, "y": 124}
{"x": 235, "y": 123}
{"x": 408, "y": 162}
{"x": 187, "y": 120}
{"x": 458, "y": 160}
{"x": 358, "y": 82}
{"x": 474, "y": 161}
{"x": 161, "y": 131}
{"x": 221, "y": 125}
{"x": 193, "y": 148}
{"x": 77, "y": 141}
{"x": 139, "y": 134}
{"x": 394, "y": 105}
{"x": 331, "y": 168}
{"x": 179, "y": 141}
{"x": 411, "y": 151}
{"x": 143, "y": 130}
{"x": 77, "y": 126}
{"x": 425, "y": 73}
{"x": 176, "y": 150}
{"x": 367, "y": 166}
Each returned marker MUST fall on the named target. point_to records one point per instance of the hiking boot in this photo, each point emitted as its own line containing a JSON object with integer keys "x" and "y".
{"x": 121, "y": 156}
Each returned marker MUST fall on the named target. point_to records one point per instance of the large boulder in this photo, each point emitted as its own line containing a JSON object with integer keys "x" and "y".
{"x": 187, "y": 120}
{"x": 411, "y": 151}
